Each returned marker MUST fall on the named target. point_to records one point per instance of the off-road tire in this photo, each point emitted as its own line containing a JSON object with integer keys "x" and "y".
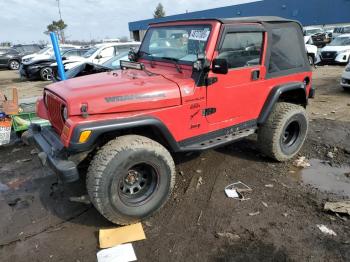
{"x": 272, "y": 133}
{"x": 109, "y": 167}
{"x": 13, "y": 64}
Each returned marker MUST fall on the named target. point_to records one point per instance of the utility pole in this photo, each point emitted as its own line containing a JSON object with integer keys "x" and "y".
{"x": 60, "y": 14}
{"x": 59, "y": 8}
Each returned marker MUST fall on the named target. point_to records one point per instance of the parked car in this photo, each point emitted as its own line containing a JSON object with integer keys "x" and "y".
{"x": 345, "y": 80}
{"x": 90, "y": 68}
{"x": 341, "y": 30}
{"x": 338, "y": 51}
{"x": 213, "y": 86}
{"x": 10, "y": 58}
{"x": 99, "y": 54}
{"x": 45, "y": 53}
{"x": 28, "y": 49}
{"x": 312, "y": 51}
{"x": 41, "y": 69}
{"x": 319, "y": 37}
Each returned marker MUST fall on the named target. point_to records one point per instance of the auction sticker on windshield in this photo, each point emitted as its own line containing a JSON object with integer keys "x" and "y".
{"x": 200, "y": 35}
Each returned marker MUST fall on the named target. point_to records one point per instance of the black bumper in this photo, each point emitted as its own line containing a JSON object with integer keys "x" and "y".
{"x": 54, "y": 153}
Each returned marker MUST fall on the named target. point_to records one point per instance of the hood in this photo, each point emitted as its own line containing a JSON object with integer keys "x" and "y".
{"x": 335, "y": 48}
{"x": 117, "y": 91}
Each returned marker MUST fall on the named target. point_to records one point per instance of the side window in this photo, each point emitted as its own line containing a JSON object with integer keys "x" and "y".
{"x": 286, "y": 51}
{"x": 242, "y": 49}
{"x": 107, "y": 52}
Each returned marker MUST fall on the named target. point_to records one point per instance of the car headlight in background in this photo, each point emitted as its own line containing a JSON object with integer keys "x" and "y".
{"x": 64, "y": 113}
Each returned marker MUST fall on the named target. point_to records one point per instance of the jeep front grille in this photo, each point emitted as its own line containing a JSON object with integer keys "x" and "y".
{"x": 54, "y": 108}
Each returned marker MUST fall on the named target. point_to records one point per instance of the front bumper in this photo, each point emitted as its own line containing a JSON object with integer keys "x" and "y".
{"x": 54, "y": 153}
{"x": 345, "y": 82}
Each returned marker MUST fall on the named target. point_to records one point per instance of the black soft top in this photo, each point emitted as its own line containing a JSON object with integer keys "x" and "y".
{"x": 249, "y": 19}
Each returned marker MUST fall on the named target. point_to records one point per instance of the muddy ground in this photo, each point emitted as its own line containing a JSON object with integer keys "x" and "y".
{"x": 199, "y": 223}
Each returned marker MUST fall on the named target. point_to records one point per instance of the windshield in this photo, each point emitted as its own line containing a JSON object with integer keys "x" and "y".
{"x": 180, "y": 43}
{"x": 114, "y": 62}
{"x": 90, "y": 52}
{"x": 313, "y": 31}
{"x": 42, "y": 51}
{"x": 340, "y": 41}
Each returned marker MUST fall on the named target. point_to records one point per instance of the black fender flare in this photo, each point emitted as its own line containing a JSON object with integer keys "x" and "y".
{"x": 274, "y": 96}
{"x": 101, "y": 127}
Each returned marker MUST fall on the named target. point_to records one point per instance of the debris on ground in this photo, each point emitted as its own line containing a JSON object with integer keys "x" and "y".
{"x": 123, "y": 253}
{"x": 330, "y": 155}
{"x": 301, "y": 162}
{"x": 236, "y": 190}
{"x": 85, "y": 199}
{"x": 228, "y": 235}
{"x": 254, "y": 214}
{"x": 116, "y": 236}
{"x": 326, "y": 230}
{"x": 264, "y": 204}
{"x": 342, "y": 207}
{"x": 199, "y": 183}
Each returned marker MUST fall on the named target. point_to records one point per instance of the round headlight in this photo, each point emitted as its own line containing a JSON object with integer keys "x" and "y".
{"x": 64, "y": 113}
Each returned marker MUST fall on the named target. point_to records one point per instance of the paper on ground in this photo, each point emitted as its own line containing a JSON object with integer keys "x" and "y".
{"x": 326, "y": 230}
{"x": 121, "y": 253}
{"x": 121, "y": 235}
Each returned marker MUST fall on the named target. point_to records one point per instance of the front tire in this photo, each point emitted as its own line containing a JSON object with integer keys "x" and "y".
{"x": 130, "y": 178}
{"x": 13, "y": 65}
{"x": 284, "y": 133}
{"x": 46, "y": 74}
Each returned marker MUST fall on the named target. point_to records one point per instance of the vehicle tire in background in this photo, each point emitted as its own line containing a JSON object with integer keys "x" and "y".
{"x": 130, "y": 178}
{"x": 46, "y": 73}
{"x": 284, "y": 132}
{"x": 13, "y": 65}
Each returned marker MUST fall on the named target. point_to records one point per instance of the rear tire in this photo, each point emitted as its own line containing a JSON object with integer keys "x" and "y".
{"x": 130, "y": 178}
{"x": 284, "y": 132}
{"x": 13, "y": 65}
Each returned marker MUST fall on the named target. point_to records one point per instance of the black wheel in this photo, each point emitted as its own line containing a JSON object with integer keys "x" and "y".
{"x": 46, "y": 73}
{"x": 13, "y": 65}
{"x": 284, "y": 133}
{"x": 130, "y": 178}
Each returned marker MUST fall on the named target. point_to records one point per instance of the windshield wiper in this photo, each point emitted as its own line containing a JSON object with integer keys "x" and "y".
{"x": 176, "y": 62}
{"x": 150, "y": 55}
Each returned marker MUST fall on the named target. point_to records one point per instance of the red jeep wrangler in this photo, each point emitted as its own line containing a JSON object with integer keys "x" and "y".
{"x": 193, "y": 85}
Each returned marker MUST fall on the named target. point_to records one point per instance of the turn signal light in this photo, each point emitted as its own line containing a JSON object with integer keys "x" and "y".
{"x": 84, "y": 136}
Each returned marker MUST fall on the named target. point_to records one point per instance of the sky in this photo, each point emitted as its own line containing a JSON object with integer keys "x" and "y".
{"x": 24, "y": 21}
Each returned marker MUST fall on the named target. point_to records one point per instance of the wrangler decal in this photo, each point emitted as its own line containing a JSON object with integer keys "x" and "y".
{"x": 113, "y": 99}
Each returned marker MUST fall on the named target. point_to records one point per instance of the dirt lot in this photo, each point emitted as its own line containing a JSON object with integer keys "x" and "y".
{"x": 199, "y": 223}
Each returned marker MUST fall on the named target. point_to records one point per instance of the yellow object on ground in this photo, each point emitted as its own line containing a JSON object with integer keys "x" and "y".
{"x": 116, "y": 236}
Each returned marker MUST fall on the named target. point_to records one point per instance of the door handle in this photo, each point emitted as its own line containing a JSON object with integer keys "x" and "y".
{"x": 255, "y": 75}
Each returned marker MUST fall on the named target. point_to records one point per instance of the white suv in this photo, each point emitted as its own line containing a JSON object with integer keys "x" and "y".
{"x": 345, "y": 80}
{"x": 99, "y": 54}
{"x": 338, "y": 51}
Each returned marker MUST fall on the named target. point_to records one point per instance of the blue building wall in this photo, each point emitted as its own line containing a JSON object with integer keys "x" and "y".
{"x": 308, "y": 12}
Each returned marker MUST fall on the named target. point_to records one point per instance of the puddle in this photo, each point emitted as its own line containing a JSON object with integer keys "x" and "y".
{"x": 327, "y": 178}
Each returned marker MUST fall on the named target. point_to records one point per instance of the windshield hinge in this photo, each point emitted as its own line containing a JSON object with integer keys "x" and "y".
{"x": 211, "y": 80}
{"x": 209, "y": 111}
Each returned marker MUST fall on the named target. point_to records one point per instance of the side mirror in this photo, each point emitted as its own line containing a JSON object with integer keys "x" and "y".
{"x": 220, "y": 66}
{"x": 132, "y": 55}
{"x": 98, "y": 56}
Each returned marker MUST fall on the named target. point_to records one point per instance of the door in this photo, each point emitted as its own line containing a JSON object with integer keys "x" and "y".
{"x": 104, "y": 55}
{"x": 233, "y": 98}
